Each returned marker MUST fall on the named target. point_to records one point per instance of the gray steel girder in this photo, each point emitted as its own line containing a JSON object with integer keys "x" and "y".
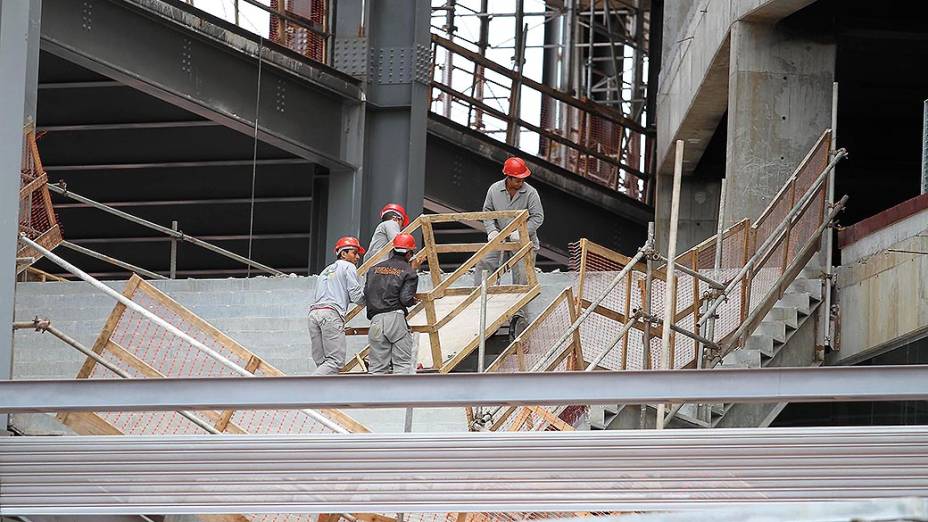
{"x": 209, "y": 67}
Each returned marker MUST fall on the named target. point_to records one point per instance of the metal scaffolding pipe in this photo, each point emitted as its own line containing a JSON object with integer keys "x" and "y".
{"x": 111, "y": 260}
{"x": 164, "y": 230}
{"x": 135, "y": 307}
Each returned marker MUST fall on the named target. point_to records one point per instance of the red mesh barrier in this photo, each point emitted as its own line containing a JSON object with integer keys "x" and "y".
{"x": 37, "y": 218}
{"x": 292, "y": 35}
{"x": 144, "y": 349}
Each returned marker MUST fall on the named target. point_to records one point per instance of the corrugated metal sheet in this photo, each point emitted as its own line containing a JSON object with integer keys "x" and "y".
{"x": 569, "y": 471}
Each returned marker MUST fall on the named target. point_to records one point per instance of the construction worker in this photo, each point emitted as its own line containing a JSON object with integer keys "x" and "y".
{"x": 389, "y": 291}
{"x": 393, "y": 219}
{"x": 511, "y": 193}
{"x": 336, "y": 287}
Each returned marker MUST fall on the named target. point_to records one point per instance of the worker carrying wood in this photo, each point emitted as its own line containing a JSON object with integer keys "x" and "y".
{"x": 389, "y": 291}
{"x": 393, "y": 219}
{"x": 511, "y": 193}
{"x": 336, "y": 287}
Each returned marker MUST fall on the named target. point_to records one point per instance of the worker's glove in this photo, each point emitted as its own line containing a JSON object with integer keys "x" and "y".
{"x": 492, "y": 235}
{"x": 514, "y": 236}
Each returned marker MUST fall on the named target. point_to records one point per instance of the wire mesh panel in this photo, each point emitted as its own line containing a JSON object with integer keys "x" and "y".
{"x": 296, "y": 36}
{"x": 37, "y": 218}
{"x": 144, "y": 349}
{"x": 528, "y": 353}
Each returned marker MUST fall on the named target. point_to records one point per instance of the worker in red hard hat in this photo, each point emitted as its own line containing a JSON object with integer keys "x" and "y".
{"x": 336, "y": 287}
{"x": 389, "y": 291}
{"x": 393, "y": 219}
{"x": 511, "y": 193}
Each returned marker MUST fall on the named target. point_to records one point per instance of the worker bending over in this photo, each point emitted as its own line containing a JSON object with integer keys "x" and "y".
{"x": 336, "y": 287}
{"x": 390, "y": 289}
{"x": 511, "y": 193}
{"x": 393, "y": 219}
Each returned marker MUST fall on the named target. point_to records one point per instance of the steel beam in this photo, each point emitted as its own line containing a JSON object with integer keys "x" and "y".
{"x": 19, "y": 63}
{"x": 638, "y": 470}
{"x": 192, "y": 60}
{"x": 877, "y": 383}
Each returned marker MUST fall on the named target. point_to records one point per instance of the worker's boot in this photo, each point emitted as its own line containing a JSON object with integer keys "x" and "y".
{"x": 517, "y": 325}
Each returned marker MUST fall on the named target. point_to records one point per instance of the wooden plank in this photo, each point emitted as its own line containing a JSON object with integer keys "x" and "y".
{"x": 537, "y": 323}
{"x": 434, "y": 339}
{"x": 109, "y": 327}
{"x": 502, "y": 319}
{"x": 528, "y": 261}
{"x": 551, "y": 419}
{"x": 492, "y": 290}
{"x": 577, "y": 346}
{"x": 438, "y": 291}
{"x": 428, "y": 238}
{"x": 223, "y": 518}
{"x": 474, "y": 294}
{"x": 456, "y": 248}
{"x": 473, "y": 216}
{"x": 516, "y": 425}
{"x": 583, "y": 267}
{"x": 87, "y": 423}
{"x": 130, "y": 360}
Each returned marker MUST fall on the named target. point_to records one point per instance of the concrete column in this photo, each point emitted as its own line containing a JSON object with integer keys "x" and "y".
{"x": 699, "y": 209}
{"x": 779, "y": 102}
{"x": 19, "y": 61}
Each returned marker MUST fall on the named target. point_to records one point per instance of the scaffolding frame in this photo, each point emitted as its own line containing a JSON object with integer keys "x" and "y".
{"x": 463, "y": 301}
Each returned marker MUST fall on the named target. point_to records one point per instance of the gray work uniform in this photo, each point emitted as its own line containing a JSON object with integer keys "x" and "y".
{"x": 497, "y": 200}
{"x": 392, "y": 344}
{"x": 336, "y": 287}
{"x": 383, "y": 235}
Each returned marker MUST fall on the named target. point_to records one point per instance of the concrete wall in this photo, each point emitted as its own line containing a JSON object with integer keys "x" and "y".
{"x": 883, "y": 297}
{"x": 779, "y": 102}
{"x": 728, "y": 55}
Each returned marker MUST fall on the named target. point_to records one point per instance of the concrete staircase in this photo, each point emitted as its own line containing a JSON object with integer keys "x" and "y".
{"x": 785, "y": 338}
{"x": 267, "y": 315}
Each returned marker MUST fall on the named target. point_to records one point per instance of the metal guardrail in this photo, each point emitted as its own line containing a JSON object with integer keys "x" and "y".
{"x": 594, "y": 141}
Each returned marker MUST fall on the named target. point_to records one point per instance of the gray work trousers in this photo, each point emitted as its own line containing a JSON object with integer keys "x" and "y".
{"x": 493, "y": 260}
{"x": 391, "y": 344}
{"x": 327, "y": 340}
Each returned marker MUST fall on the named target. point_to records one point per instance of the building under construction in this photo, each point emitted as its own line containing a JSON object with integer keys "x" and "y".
{"x": 724, "y": 313}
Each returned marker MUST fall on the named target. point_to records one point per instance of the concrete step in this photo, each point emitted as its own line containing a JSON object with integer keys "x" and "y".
{"x": 813, "y": 287}
{"x": 749, "y": 357}
{"x": 801, "y": 301}
{"x": 811, "y": 272}
{"x": 788, "y": 315}
{"x": 776, "y": 330}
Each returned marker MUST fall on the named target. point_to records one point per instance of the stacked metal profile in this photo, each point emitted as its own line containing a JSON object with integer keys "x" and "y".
{"x": 514, "y": 473}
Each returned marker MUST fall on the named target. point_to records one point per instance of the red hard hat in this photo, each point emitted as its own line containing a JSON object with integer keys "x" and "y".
{"x": 516, "y": 168}
{"x": 404, "y": 243}
{"x": 348, "y": 242}
{"x": 397, "y": 208}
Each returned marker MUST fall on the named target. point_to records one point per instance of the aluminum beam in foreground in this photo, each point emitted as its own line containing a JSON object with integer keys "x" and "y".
{"x": 872, "y": 383}
{"x": 638, "y": 470}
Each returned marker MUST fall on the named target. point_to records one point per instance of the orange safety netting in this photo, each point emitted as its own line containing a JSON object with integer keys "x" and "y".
{"x": 37, "y": 217}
